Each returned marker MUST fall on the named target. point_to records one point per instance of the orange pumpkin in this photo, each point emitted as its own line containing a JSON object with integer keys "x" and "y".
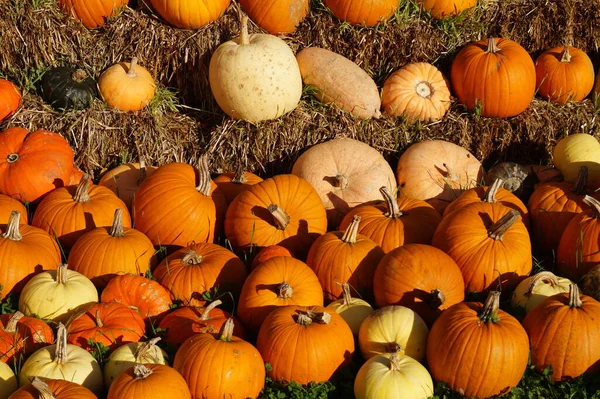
{"x": 233, "y": 183}
{"x": 195, "y": 214}
{"x": 92, "y": 13}
{"x": 276, "y": 16}
{"x": 143, "y": 381}
{"x": 446, "y": 8}
{"x": 395, "y": 222}
{"x": 21, "y": 335}
{"x": 7, "y": 206}
{"x": 278, "y": 282}
{"x": 269, "y": 252}
{"x": 53, "y": 389}
{"x": 105, "y": 252}
{"x": 344, "y": 257}
{"x": 127, "y": 86}
{"x": 192, "y": 271}
{"x": 10, "y": 99}
{"x": 125, "y": 179}
{"x": 33, "y": 164}
{"x": 362, "y": 12}
{"x": 564, "y": 74}
{"x": 305, "y": 344}
{"x": 496, "y": 75}
{"x": 190, "y": 14}
{"x": 420, "y": 277}
{"x": 490, "y": 348}
{"x": 489, "y": 243}
{"x": 284, "y": 210}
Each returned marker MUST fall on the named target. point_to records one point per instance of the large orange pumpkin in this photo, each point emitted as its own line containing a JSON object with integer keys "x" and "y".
{"x": 21, "y": 335}
{"x": 33, "y": 164}
{"x": 233, "y": 183}
{"x": 190, "y": 14}
{"x": 10, "y": 99}
{"x": 362, "y": 12}
{"x": 284, "y": 210}
{"x": 490, "y": 348}
{"x": 269, "y": 252}
{"x": 7, "y": 206}
{"x": 53, "y": 389}
{"x": 92, "y": 13}
{"x": 396, "y": 222}
{"x": 145, "y": 381}
{"x": 496, "y": 75}
{"x": 276, "y": 16}
{"x": 564, "y": 331}
{"x": 179, "y": 204}
{"x": 420, "y": 277}
{"x": 489, "y": 243}
{"x": 446, "y": 8}
{"x": 305, "y": 344}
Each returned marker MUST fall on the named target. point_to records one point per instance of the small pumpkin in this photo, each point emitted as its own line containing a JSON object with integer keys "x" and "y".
{"x": 353, "y": 310}
{"x": 21, "y": 335}
{"x": 10, "y": 99}
{"x": 7, "y": 206}
{"x": 68, "y": 88}
{"x": 269, "y": 252}
{"x": 127, "y": 86}
{"x": 144, "y": 381}
{"x": 276, "y": 16}
{"x": 188, "y": 14}
{"x": 533, "y": 290}
{"x": 446, "y": 8}
{"x": 564, "y": 74}
{"x": 233, "y": 183}
{"x": 575, "y": 151}
{"x": 516, "y": 178}
{"x": 8, "y": 380}
{"x": 92, "y": 14}
{"x": 495, "y": 75}
{"x": 124, "y": 180}
{"x": 53, "y": 389}
{"x": 255, "y": 77}
{"x": 417, "y": 91}
{"x": 362, "y": 12}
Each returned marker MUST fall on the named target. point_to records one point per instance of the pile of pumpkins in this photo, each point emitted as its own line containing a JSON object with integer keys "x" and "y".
{"x": 342, "y": 255}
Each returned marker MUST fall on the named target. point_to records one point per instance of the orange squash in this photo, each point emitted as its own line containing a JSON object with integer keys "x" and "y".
{"x": 446, "y": 8}
{"x": 362, "y": 12}
{"x": 10, "y": 99}
{"x": 190, "y": 14}
{"x": 233, "y": 183}
{"x": 276, "y": 16}
{"x": 92, "y": 13}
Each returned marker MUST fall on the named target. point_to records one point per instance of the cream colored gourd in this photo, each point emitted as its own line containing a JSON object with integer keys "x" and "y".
{"x": 575, "y": 151}
{"x": 345, "y": 173}
{"x": 131, "y": 354}
{"x": 8, "y": 381}
{"x": 353, "y": 310}
{"x": 393, "y": 329}
{"x": 534, "y": 289}
{"x": 255, "y": 77}
{"x": 63, "y": 361}
{"x": 393, "y": 376}
{"x": 57, "y": 294}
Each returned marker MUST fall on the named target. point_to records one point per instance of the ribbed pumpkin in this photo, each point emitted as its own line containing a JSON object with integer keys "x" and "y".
{"x": 269, "y": 252}
{"x": 446, "y": 8}
{"x": 564, "y": 74}
{"x": 490, "y": 348}
{"x": 575, "y": 151}
{"x": 112, "y": 324}
{"x": 144, "y": 381}
{"x": 190, "y": 272}
{"x": 190, "y": 14}
{"x": 92, "y": 13}
{"x": 53, "y": 389}
{"x": 10, "y": 99}
{"x": 417, "y": 91}
{"x": 395, "y": 222}
{"x": 233, "y": 183}
{"x": 125, "y": 179}
{"x": 151, "y": 300}
{"x": 21, "y": 335}
{"x": 276, "y": 16}
{"x": 8, "y": 380}
{"x": 33, "y": 164}
{"x": 344, "y": 257}
{"x": 362, "y": 12}
{"x": 280, "y": 281}
{"x": 195, "y": 214}
{"x": 105, "y": 252}
{"x": 24, "y": 251}
{"x": 489, "y": 243}
{"x": 353, "y": 310}
{"x": 57, "y": 294}
{"x": 305, "y": 344}
{"x": 186, "y": 321}
{"x": 495, "y": 75}
{"x": 131, "y": 354}
{"x": 493, "y": 193}
{"x": 69, "y": 212}
{"x": 7, "y": 206}
{"x": 564, "y": 331}
{"x": 127, "y": 86}
{"x": 284, "y": 210}
{"x": 201, "y": 358}
{"x": 533, "y": 290}
{"x": 419, "y": 277}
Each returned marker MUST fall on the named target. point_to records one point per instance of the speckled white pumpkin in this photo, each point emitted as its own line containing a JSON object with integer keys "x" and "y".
{"x": 255, "y": 77}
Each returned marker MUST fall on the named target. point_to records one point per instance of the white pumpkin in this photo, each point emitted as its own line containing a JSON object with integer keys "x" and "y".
{"x": 353, "y": 310}
{"x": 131, "y": 354}
{"x": 255, "y": 77}
{"x": 532, "y": 290}
{"x": 8, "y": 381}
{"x": 63, "y": 361}
{"x": 393, "y": 376}
{"x": 57, "y": 294}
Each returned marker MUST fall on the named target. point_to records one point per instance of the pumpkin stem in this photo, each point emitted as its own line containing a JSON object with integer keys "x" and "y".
{"x": 238, "y": 177}
{"x": 192, "y": 258}
{"x": 98, "y": 319}
{"x": 351, "y": 232}
{"x": 244, "y": 36}
{"x": 131, "y": 73}
{"x": 209, "y": 308}
{"x": 436, "y": 298}
{"x": 11, "y": 326}
{"x": 574, "y": 298}
{"x": 581, "y": 182}
{"x": 424, "y": 89}
{"x": 393, "y": 347}
{"x": 117, "y": 227}
{"x": 143, "y": 350}
{"x": 204, "y": 182}
{"x": 227, "y": 330}
{"x": 43, "y": 389}
{"x": 79, "y": 76}
{"x": 281, "y": 218}
{"x": 492, "y": 46}
{"x": 341, "y": 181}
{"x": 61, "y": 273}
{"x": 490, "y": 193}
{"x": 12, "y": 158}
{"x": 61, "y": 355}
{"x": 497, "y": 230}
{"x": 310, "y": 316}
{"x": 449, "y": 174}
{"x": 394, "y": 358}
{"x": 490, "y": 308}
{"x": 391, "y": 203}
{"x": 346, "y": 295}
{"x": 13, "y": 231}
{"x": 540, "y": 277}
{"x": 594, "y": 204}
{"x": 566, "y": 56}
{"x": 143, "y": 172}
{"x": 285, "y": 291}
{"x": 83, "y": 188}
{"x": 140, "y": 371}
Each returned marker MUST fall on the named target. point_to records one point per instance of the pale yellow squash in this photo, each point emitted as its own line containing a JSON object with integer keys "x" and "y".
{"x": 532, "y": 290}
{"x": 353, "y": 310}
{"x": 8, "y": 381}
{"x": 575, "y": 151}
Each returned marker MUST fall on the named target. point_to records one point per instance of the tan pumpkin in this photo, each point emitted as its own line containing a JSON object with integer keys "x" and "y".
{"x": 127, "y": 86}
{"x": 125, "y": 179}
